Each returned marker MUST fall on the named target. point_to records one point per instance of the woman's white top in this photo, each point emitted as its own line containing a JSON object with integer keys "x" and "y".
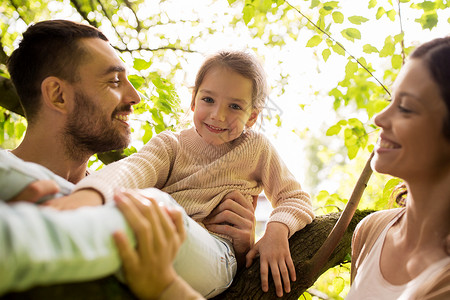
{"x": 369, "y": 282}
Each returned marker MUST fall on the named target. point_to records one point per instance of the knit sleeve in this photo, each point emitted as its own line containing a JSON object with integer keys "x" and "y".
{"x": 149, "y": 167}
{"x": 292, "y": 206}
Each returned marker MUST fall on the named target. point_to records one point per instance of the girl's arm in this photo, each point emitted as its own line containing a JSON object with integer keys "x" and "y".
{"x": 292, "y": 211}
{"x": 150, "y": 167}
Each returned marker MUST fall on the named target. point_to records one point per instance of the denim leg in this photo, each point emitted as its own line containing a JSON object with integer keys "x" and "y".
{"x": 205, "y": 261}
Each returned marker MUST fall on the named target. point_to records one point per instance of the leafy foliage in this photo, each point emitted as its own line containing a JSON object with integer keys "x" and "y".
{"x": 148, "y": 36}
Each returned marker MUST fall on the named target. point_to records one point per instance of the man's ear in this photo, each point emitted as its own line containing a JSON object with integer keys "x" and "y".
{"x": 54, "y": 93}
{"x": 253, "y": 118}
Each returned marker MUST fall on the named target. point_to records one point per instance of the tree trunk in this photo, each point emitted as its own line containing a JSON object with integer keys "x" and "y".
{"x": 246, "y": 285}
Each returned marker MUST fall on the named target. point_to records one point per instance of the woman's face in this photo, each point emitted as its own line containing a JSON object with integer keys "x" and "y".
{"x": 412, "y": 144}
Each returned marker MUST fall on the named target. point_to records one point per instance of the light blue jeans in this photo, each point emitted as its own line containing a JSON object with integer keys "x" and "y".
{"x": 205, "y": 261}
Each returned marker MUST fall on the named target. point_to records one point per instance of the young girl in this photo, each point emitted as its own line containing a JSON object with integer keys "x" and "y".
{"x": 220, "y": 154}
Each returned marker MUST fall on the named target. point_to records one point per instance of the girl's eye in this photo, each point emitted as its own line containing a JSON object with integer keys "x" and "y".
{"x": 208, "y": 100}
{"x": 235, "y": 106}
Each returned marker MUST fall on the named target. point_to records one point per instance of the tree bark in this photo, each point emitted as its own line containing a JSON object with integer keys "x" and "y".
{"x": 246, "y": 285}
{"x": 8, "y": 96}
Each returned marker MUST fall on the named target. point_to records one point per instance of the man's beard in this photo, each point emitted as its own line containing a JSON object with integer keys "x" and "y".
{"x": 88, "y": 131}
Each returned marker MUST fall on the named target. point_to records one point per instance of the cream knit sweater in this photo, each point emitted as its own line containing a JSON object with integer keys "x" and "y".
{"x": 198, "y": 175}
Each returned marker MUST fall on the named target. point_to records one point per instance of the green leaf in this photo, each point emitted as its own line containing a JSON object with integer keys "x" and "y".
{"x": 404, "y": 1}
{"x": 367, "y": 48}
{"x": 249, "y": 13}
{"x": 388, "y": 48}
{"x": 351, "y": 68}
{"x": 427, "y": 6}
{"x": 338, "y": 49}
{"x": 314, "y": 41}
{"x": 139, "y": 64}
{"x": 380, "y": 12}
{"x": 325, "y": 54}
{"x": 352, "y": 151}
{"x": 19, "y": 130}
{"x": 357, "y": 20}
{"x": 428, "y": 21}
{"x": 389, "y": 187}
{"x": 314, "y": 3}
{"x": 338, "y": 17}
{"x": 329, "y": 42}
{"x": 351, "y": 34}
{"x": 330, "y": 5}
{"x": 399, "y": 37}
{"x": 397, "y": 61}
{"x": 372, "y": 3}
{"x": 231, "y": 1}
{"x": 136, "y": 81}
{"x": 321, "y": 22}
{"x": 391, "y": 14}
{"x": 333, "y": 130}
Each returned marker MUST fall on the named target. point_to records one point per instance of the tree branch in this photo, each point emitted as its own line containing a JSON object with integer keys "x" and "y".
{"x": 8, "y": 96}
{"x": 402, "y": 42}
{"x": 83, "y": 14}
{"x": 339, "y": 44}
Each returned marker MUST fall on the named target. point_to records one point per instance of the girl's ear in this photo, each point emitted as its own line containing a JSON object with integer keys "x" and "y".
{"x": 54, "y": 93}
{"x": 253, "y": 117}
{"x": 193, "y": 101}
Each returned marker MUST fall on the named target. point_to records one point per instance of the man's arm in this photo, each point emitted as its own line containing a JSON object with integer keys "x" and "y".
{"x": 42, "y": 246}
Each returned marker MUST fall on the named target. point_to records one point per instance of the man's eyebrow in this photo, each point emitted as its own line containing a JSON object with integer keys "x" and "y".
{"x": 114, "y": 69}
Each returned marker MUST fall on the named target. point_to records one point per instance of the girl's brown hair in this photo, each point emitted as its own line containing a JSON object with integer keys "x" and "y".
{"x": 242, "y": 63}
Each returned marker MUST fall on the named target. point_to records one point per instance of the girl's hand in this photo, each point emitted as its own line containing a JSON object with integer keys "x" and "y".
{"x": 148, "y": 269}
{"x": 273, "y": 249}
{"x": 235, "y": 217}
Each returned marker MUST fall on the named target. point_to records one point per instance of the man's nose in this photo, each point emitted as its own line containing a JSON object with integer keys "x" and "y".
{"x": 131, "y": 94}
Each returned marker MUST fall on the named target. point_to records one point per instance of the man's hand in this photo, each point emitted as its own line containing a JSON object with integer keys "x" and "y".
{"x": 87, "y": 197}
{"x": 148, "y": 269}
{"x": 273, "y": 249}
{"x": 37, "y": 190}
{"x": 235, "y": 217}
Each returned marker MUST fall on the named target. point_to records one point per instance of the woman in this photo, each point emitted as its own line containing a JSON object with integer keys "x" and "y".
{"x": 405, "y": 253}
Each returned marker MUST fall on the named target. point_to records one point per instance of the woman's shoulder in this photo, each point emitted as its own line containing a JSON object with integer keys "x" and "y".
{"x": 379, "y": 219}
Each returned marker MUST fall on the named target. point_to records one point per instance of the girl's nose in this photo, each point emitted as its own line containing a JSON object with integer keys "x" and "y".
{"x": 218, "y": 113}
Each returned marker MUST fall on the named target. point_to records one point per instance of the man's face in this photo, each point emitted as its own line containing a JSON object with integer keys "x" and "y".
{"x": 102, "y": 101}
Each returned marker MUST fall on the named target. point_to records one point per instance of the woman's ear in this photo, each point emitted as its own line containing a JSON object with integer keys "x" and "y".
{"x": 253, "y": 118}
{"x": 54, "y": 93}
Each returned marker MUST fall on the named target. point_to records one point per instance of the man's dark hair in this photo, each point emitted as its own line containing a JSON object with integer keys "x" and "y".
{"x": 48, "y": 48}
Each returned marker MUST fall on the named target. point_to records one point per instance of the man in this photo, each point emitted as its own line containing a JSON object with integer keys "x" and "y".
{"x": 77, "y": 99}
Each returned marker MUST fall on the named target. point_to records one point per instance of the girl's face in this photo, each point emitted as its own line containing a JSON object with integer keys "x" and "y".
{"x": 412, "y": 144}
{"x": 223, "y": 106}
